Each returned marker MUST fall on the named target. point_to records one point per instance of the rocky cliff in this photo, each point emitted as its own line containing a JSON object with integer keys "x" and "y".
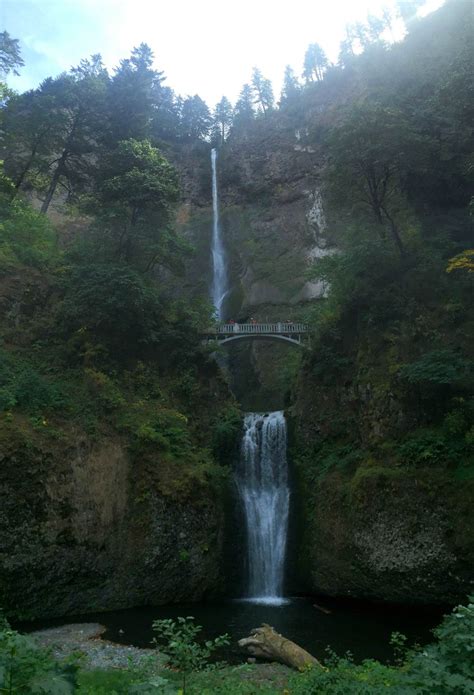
{"x": 86, "y": 529}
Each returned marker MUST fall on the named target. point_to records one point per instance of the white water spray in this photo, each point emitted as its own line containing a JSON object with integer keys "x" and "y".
{"x": 262, "y": 482}
{"x": 219, "y": 277}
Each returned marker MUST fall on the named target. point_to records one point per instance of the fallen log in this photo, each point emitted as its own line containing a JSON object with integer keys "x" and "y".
{"x": 322, "y": 609}
{"x": 266, "y": 643}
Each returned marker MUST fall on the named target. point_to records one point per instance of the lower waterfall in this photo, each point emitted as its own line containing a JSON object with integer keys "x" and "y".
{"x": 262, "y": 483}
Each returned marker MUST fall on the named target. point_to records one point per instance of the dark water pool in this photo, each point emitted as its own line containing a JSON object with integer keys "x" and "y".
{"x": 362, "y": 629}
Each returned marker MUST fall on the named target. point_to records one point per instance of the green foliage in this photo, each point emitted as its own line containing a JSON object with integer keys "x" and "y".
{"x": 27, "y": 669}
{"x": 438, "y": 367}
{"x": 10, "y": 55}
{"x": 225, "y": 434}
{"x": 133, "y": 202}
{"x": 21, "y": 385}
{"x": 432, "y": 447}
{"x": 109, "y": 304}
{"x": 262, "y": 92}
{"x": 26, "y": 237}
{"x": 444, "y": 667}
{"x": 183, "y": 651}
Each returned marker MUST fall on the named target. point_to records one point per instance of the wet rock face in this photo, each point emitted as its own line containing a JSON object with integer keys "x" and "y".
{"x": 272, "y": 218}
{"x": 393, "y": 538}
{"x": 84, "y": 530}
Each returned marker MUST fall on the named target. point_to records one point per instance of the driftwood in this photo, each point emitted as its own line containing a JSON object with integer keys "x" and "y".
{"x": 322, "y": 609}
{"x": 265, "y": 643}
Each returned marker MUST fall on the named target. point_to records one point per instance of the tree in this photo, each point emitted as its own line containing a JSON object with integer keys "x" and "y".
{"x": 10, "y": 55}
{"x": 407, "y": 10}
{"x": 79, "y": 104}
{"x": 315, "y": 63}
{"x": 134, "y": 93}
{"x": 196, "y": 119}
{"x": 262, "y": 91}
{"x": 30, "y": 123}
{"x": 177, "y": 639}
{"x": 165, "y": 123}
{"x": 134, "y": 200}
{"x": 244, "y": 113}
{"x": 291, "y": 86}
{"x": 371, "y": 152}
{"x": 223, "y": 118}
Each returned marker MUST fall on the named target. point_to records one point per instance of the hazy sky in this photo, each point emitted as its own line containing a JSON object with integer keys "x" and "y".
{"x": 204, "y": 46}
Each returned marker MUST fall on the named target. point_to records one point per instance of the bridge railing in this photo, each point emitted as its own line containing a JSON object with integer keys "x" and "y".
{"x": 278, "y": 328}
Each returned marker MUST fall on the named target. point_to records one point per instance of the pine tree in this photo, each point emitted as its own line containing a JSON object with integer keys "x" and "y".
{"x": 80, "y": 108}
{"x": 315, "y": 63}
{"x": 10, "y": 55}
{"x": 262, "y": 91}
{"x": 196, "y": 119}
{"x": 223, "y": 118}
{"x": 244, "y": 113}
{"x": 291, "y": 86}
{"x": 135, "y": 91}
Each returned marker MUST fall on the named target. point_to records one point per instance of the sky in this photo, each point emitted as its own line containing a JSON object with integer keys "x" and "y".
{"x": 205, "y": 47}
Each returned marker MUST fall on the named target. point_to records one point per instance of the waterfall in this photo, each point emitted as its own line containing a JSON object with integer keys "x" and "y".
{"x": 219, "y": 274}
{"x": 262, "y": 483}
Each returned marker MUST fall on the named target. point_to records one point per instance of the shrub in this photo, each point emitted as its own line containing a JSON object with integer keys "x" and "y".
{"x": 25, "y": 668}
{"x": 438, "y": 367}
{"x": 183, "y": 651}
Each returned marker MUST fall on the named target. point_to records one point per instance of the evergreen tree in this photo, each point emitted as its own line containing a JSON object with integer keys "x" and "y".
{"x": 372, "y": 151}
{"x": 165, "y": 123}
{"x": 80, "y": 108}
{"x": 315, "y": 63}
{"x": 244, "y": 113}
{"x": 30, "y": 123}
{"x": 134, "y": 201}
{"x": 223, "y": 119}
{"x": 291, "y": 86}
{"x": 196, "y": 119}
{"x": 10, "y": 55}
{"x": 135, "y": 91}
{"x": 346, "y": 51}
{"x": 262, "y": 92}
{"x": 407, "y": 10}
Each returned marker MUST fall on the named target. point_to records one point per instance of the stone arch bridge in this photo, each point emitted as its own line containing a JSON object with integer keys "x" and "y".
{"x": 286, "y": 331}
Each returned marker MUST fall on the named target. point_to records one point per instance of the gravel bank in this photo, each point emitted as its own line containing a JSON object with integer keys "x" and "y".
{"x": 86, "y": 638}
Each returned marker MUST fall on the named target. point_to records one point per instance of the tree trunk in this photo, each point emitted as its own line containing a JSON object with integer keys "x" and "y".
{"x": 265, "y": 643}
{"x": 54, "y": 182}
{"x": 24, "y": 172}
{"x": 395, "y": 233}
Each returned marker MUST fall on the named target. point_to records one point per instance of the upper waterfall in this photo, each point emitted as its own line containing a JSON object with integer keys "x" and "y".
{"x": 219, "y": 269}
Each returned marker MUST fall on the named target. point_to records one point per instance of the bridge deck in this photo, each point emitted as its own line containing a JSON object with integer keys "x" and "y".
{"x": 279, "y": 328}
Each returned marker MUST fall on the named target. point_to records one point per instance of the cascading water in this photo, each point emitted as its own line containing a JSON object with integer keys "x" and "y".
{"x": 219, "y": 276}
{"x": 262, "y": 483}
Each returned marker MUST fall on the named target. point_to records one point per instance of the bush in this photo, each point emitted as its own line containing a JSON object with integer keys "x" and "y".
{"x": 25, "y": 668}
{"x": 225, "y": 435}
{"x": 21, "y": 385}
{"x": 444, "y": 667}
{"x": 438, "y": 367}
{"x": 183, "y": 651}
{"x": 26, "y": 236}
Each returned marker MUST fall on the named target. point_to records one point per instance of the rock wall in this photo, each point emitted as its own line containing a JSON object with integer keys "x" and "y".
{"x": 387, "y": 535}
{"x": 84, "y": 529}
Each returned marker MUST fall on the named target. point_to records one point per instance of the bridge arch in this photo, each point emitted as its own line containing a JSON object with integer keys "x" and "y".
{"x": 250, "y": 336}
{"x": 287, "y": 331}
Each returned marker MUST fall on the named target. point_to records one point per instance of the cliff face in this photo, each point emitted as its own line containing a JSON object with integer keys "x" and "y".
{"x": 271, "y": 218}
{"x": 84, "y": 528}
{"x": 388, "y": 535}
{"x": 372, "y": 522}
{"x": 110, "y": 495}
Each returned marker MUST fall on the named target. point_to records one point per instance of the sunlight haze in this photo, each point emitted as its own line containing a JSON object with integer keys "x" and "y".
{"x": 206, "y": 48}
